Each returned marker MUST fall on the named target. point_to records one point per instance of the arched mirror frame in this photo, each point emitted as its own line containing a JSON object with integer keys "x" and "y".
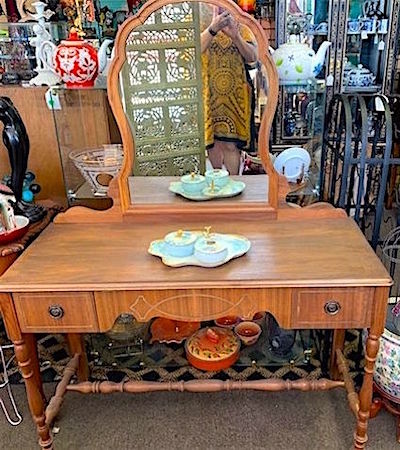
{"x": 119, "y": 187}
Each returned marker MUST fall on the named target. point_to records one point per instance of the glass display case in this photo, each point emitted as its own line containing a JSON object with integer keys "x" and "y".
{"x": 364, "y": 64}
{"x": 17, "y": 54}
{"x": 88, "y": 141}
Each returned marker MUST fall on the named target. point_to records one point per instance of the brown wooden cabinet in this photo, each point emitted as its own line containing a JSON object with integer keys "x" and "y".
{"x": 85, "y": 120}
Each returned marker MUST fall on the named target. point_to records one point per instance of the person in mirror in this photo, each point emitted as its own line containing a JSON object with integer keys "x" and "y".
{"x": 228, "y": 49}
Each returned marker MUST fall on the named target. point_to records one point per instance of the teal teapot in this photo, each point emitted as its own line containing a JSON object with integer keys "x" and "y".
{"x": 297, "y": 63}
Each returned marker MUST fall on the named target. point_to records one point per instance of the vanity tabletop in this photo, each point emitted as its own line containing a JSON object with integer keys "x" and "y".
{"x": 89, "y": 257}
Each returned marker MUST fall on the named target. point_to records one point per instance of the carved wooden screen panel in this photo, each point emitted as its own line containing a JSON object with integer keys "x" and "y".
{"x": 162, "y": 92}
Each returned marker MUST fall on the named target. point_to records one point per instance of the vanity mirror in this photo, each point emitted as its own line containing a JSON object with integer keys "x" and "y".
{"x": 192, "y": 87}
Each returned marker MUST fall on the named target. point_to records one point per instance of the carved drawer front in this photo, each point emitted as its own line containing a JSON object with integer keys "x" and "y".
{"x": 58, "y": 312}
{"x": 332, "y": 308}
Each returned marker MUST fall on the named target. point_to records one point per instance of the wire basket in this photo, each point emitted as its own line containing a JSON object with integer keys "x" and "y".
{"x": 99, "y": 166}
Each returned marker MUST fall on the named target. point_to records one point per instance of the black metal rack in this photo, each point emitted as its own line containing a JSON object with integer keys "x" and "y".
{"x": 357, "y": 158}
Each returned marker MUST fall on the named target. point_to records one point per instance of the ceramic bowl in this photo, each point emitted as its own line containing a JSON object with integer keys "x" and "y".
{"x": 193, "y": 183}
{"x": 171, "y": 331}
{"x": 248, "y": 332}
{"x": 227, "y": 321}
{"x": 22, "y": 227}
{"x": 180, "y": 243}
{"x": 210, "y": 251}
{"x": 259, "y": 318}
{"x": 219, "y": 176}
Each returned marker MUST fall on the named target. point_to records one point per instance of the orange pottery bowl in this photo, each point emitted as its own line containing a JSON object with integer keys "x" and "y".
{"x": 171, "y": 331}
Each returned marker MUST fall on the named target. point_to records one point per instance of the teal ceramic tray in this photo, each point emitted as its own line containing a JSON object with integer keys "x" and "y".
{"x": 232, "y": 189}
{"x": 237, "y": 246}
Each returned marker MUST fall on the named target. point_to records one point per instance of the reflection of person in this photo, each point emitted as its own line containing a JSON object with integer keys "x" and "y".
{"x": 227, "y": 48}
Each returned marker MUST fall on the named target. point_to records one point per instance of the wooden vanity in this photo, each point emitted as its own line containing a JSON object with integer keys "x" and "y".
{"x": 311, "y": 268}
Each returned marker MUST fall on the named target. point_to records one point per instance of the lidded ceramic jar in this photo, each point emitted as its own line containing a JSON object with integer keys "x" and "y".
{"x": 180, "y": 243}
{"x": 212, "y": 348}
{"x": 220, "y": 177}
{"x": 209, "y": 250}
{"x": 193, "y": 183}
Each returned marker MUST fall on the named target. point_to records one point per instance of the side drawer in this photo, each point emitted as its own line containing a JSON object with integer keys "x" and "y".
{"x": 56, "y": 312}
{"x": 332, "y": 308}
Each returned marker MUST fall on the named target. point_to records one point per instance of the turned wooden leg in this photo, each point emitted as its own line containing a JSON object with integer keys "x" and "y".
{"x": 337, "y": 343}
{"x": 76, "y": 345}
{"x": 371, "y": 351}
{"x": 31, "y": 344}
{"x": 26, "y": 355}
{"x": 29, "y": 367}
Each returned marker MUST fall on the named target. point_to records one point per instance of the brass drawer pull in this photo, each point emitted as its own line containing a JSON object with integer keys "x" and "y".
{"x": 332, "y": 307}
{"x": 56, "y": 311}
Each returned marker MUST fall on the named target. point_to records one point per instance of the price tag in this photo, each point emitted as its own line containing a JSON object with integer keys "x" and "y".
{"x": 329, "y": 80}
{"x": 381, "y": 45}
{"x": 364, "y": 35}
{"x": 52, "y": 99}
{"x": 379, "y": 104}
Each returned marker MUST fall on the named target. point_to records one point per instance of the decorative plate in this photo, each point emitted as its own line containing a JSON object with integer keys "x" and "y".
{"x": 232, "y": 189}
{"x": 292, "y": 162}
{"x": 237, "y": 246}
{"x": 172, "y": 331}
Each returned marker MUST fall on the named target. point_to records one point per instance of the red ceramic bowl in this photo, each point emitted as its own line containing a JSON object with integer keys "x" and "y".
{"x": 227, "y": 321}
{"x": 17, "y": 233}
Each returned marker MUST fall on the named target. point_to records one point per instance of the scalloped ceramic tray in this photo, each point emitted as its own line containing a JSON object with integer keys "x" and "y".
{"x": 237, "y": 246}
{"x": 232, "y": 189}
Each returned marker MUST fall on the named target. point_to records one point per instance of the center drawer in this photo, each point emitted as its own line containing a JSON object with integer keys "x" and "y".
{"x": 56, "y": 312}
{"x": 332, "y": 308}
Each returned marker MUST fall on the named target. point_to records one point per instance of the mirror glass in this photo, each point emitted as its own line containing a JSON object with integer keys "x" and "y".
{"x": 194, "y": 91}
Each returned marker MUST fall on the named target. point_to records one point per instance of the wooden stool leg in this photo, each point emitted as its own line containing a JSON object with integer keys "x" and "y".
{"x": 76, "y": 345}
{"x": 29, "y": 367}
{"x": 371, "y": 351}
{"x": 398, "y": 429}
{"x": 337, "y": 343}
{"x": 375, "y": 407}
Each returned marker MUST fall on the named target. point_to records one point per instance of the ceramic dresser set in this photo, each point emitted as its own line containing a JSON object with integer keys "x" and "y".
{"x": 193, "y": 261}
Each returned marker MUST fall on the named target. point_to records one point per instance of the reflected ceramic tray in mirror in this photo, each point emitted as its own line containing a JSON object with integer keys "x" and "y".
{"x": 237, "y": 246}
{"x": 232, "y": 189}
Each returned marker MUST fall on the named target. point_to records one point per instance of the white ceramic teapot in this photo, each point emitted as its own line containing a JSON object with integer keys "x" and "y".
{"x": 297, "y": 63}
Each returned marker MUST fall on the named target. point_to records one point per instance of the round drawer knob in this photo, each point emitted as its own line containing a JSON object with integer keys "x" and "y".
{"x": 332, "y": 307}
{"x": 56, "y": 311}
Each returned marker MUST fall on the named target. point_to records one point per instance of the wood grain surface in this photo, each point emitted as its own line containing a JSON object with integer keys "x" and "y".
{"x": 155, "y": 190}
{"x": 321, "y": 252}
